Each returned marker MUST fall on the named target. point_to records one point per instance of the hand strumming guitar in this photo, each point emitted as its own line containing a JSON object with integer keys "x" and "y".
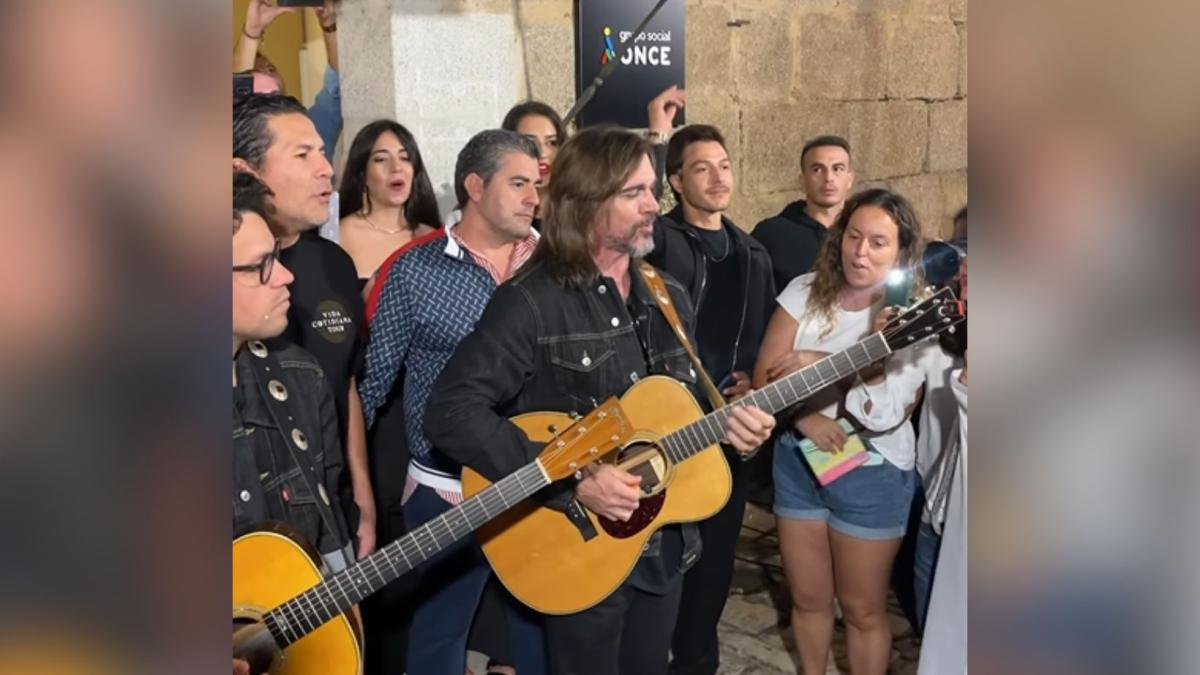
{"x": 609, "y": 491}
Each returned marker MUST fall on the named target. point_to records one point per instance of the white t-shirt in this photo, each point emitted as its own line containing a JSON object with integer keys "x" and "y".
{"x": 944, "y": 647}
{"x": 939, "y": 412}
{"x": 886, "y": 427}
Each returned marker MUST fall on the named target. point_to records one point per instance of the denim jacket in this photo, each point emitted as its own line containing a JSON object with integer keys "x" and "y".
{"x": 540, "y": 346}
{"x": 267, "y": 483}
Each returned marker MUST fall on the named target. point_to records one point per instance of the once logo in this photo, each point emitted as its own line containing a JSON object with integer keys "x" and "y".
{"x": 645, "y": 54}
{"x": 609, "y": 52}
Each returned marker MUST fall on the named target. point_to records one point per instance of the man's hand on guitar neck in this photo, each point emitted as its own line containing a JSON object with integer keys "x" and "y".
{"x": 748, "y": 427}
{"x": 609, "y": 492}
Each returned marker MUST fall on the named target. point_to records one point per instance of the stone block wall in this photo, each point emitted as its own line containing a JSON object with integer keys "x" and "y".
{"x": 889, "y": 75}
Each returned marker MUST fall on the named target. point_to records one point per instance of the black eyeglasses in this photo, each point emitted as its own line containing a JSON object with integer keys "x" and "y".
{"x": 263, "y": 267}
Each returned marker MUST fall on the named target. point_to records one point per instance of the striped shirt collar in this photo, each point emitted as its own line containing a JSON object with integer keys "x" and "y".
{"x": 456, "y": 248}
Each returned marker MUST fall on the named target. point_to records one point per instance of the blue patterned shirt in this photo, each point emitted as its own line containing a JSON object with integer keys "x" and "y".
{"x": 428, "y": 297}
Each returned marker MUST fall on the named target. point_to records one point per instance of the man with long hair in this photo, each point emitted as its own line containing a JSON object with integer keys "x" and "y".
{"x": 574, "y": 327}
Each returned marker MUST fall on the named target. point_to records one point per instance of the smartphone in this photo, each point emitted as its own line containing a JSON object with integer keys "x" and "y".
{"x": 243, "y": 84}
{"x": 899, "y": 289}
{"x": 726, "y": 382}
{"x": 301, "y": 3}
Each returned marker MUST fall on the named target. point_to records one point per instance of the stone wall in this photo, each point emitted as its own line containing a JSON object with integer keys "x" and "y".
{"x": 889, "y": 75}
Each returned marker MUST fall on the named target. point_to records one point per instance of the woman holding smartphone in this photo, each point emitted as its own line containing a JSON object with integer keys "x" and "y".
{"x": 841, "y": 539}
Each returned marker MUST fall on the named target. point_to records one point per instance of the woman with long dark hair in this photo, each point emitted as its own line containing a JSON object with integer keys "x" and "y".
{"x": 541, "y": 124}
{"x": 386, "y": 197}
{"x": 840, "y": 539}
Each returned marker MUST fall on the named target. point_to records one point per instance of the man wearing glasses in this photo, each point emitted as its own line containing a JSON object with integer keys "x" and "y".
{"x": 274, "y": 139}
{"x": 269, "y": 482}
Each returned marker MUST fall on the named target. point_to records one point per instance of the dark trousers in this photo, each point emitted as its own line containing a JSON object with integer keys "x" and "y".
{"x": 628, "y": 633}
{"x": 451, "y": 584}
{"x": 903, "y": 580}
{"x": 387, "y": 615}
{"x": 490, "y": 631}
{"x": 929, "y": 544}
{"x": 694, "y": 645}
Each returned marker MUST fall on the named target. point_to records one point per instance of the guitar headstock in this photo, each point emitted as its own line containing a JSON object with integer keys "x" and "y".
{"x": 587, "y": 440}
{"x": 934, "y": 315}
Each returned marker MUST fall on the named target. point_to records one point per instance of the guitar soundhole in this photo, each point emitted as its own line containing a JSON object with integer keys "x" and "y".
{"x": 646, "y": 460}
{"x": 253, "y": 643}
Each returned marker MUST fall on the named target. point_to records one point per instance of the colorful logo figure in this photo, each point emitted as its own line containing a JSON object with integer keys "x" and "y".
{"x": 610, "y": 52}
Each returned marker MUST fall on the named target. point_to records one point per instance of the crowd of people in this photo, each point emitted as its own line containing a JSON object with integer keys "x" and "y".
{"x": 406, "y": 338}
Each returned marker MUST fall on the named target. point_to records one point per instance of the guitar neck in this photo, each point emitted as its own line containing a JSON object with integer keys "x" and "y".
{"x": 710, "y": 429}
{"x": 306, "y": 612}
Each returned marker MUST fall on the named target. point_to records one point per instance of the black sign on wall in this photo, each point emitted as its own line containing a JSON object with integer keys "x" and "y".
{"x": 653, "y": 61}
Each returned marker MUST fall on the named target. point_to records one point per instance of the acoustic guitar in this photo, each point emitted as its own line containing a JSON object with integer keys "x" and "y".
{"x": 555, "y": 566}
{"x": 288, "y": 618}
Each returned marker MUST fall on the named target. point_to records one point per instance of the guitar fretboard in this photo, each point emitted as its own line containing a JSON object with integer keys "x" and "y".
{"x": 776, "y": 396}
{"x": 306, "y": 612}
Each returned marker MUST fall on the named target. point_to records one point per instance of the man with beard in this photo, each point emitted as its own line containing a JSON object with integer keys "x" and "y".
{"x": 574, "y": 327}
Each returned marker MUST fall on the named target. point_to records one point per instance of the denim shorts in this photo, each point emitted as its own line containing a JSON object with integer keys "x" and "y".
{"x": 869, "y": 502}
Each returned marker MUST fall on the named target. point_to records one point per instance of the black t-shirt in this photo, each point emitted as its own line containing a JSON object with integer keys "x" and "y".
{"x": 327, "y": 314}
{"x": 720, "y": 311}
{"x": 654, "y": 574}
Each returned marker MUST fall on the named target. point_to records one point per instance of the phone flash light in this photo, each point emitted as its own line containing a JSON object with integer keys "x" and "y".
{"x": 896, "y": 277}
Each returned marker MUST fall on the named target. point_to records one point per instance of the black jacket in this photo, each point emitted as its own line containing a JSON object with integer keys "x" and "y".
{"x": 793, "y": 239}
{"x": 679, "y": 252}
{"x": 540, "y": 346}
{"x": 267, "y": 483}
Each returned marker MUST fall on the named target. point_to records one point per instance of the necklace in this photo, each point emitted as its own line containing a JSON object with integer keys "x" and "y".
{"x": 723, "y": 255}
{"x": 381, "y": 229}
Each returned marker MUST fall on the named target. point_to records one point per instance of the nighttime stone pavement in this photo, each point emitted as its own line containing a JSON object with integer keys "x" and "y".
{"x": 756, "y": 638}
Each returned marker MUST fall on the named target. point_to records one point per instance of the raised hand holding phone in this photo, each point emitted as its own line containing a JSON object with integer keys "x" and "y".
{"x": 735, "y": 385}
{"x": 898, "y": 291}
